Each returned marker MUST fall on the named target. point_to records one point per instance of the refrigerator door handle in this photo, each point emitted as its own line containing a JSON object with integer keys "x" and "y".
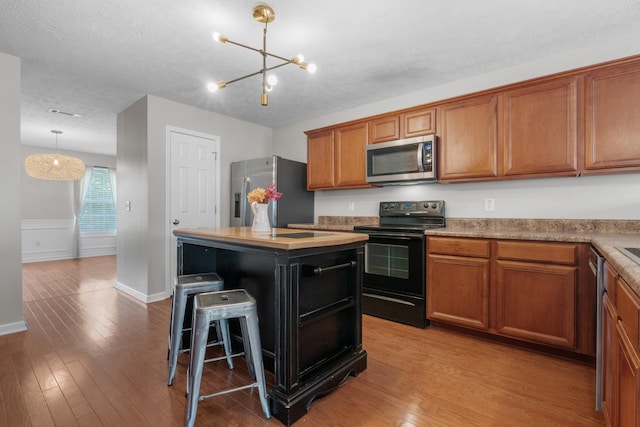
{"x": 245, "y": 208}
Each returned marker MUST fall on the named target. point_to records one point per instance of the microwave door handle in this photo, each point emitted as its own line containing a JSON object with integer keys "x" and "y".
{"x": 420, "y": 157}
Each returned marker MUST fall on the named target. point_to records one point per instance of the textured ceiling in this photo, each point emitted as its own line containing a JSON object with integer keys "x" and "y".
{"x": 98, "y": 57}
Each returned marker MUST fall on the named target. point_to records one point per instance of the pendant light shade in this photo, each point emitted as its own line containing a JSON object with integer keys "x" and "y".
{"x": 54, "y": 166}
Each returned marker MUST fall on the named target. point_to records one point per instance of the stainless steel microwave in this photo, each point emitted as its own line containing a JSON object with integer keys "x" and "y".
{"x": 404, "y": 161}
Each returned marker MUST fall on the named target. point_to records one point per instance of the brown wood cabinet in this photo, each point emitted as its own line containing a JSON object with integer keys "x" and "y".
{"x": 530, "y": 130}
{"x": 621, "y": 352}
{"x": 609, "y": 360}
{"x": 336, "y": 158}
{"x": 523, "y": 290}
{"x": 612, "y": 128}
{"x": 581, "y": 121}
{"x": 468, "y": 146}
{"x": 458, "y": 277}
{"x": 535, "y": 300}
{"x": 402, "y": 125}
{"x": 540, "y": 128}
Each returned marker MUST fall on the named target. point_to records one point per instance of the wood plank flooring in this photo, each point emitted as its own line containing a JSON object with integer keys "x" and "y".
{"x": 94, "y": 356}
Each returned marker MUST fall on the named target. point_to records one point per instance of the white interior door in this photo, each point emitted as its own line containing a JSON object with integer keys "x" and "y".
{"x": 194, "y": 186}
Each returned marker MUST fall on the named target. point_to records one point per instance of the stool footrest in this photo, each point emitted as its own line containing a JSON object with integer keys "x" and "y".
{"x": 215, "y": 359}
{"x": 231, "y": 390}
{"x": 211, "y": 344}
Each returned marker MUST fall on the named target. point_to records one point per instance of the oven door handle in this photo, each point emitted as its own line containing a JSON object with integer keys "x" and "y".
{"x": 397, "y": 236}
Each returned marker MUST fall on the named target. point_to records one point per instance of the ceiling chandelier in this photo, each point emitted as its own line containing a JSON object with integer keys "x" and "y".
{"x": 264, "y": 14}
{"x": 54, "y": 166}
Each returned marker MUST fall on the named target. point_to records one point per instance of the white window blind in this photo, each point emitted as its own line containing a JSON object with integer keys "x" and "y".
{"x": 98, "y": 212}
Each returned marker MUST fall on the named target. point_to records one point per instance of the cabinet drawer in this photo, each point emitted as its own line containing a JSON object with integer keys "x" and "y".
{"x": 460, "y": 247}
{"x": 628, "y": 306}
{"x": 555, "y": 253}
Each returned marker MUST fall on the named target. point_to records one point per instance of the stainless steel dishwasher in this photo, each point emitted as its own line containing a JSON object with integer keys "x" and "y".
{"x": 596, "y": 265}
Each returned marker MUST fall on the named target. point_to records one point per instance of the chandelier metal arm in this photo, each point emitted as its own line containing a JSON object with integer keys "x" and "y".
{"x": 244, "y": 77}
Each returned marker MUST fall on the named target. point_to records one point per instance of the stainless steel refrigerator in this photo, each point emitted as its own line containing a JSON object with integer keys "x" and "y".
{"x": 290, "y": 177}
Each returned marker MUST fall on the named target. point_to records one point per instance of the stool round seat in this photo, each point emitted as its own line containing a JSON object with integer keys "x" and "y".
{"x": 218, "y": 306}
{"x": 186, "y": 287}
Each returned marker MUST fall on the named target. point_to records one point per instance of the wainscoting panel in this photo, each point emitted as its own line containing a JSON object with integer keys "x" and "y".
{"x": 47, "y": 239}
{"x": 52, "y": 239}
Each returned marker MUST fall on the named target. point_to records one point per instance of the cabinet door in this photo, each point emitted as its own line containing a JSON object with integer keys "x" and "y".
{"x": 540, "y": 129}
{"x": 628, "y": 390}
{"x": 320, "y": 172}
{"x": 384, "y": 129}
{"x": 609, "y": 360}
{"x": 612, "y": 128}
{"x": 536, "y": 302}
{"x": 458, "y": 290}
{"x": 417, "y": 123}
{"x": 469, "y": 139}
{"x": 351, "y": 156}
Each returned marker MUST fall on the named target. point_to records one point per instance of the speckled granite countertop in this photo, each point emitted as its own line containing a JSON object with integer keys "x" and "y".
{"x": 605, "y": 235}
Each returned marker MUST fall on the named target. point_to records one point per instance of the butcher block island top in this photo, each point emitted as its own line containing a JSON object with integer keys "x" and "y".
{"x": 278, "y": 238}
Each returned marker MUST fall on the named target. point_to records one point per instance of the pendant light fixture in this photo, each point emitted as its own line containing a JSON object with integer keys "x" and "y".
{"x": 263, "y": 14}
{"x": 54, "y": 166}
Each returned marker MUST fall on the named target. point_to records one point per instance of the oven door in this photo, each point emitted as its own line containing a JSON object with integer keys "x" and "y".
{"x": 394, "y": 263}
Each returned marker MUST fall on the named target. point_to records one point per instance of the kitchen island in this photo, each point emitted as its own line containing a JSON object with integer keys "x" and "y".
{"x": 308, "y": 289}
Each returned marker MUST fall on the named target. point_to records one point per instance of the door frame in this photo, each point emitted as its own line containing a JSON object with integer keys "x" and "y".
{"x": 167, "y": 211}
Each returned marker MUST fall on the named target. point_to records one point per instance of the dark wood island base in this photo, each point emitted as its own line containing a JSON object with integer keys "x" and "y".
{"x": 308, "y": 289}
{"x": 288, "y": 409}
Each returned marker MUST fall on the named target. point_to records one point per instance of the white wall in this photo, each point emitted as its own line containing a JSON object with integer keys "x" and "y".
{"x": 11, "y": 315}
{"x": 606, "y": 197}
{"x": 142, "y": 145}
{"x": 133, "y": 185}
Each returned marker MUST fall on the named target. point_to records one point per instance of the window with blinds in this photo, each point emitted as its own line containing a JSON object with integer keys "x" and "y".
{"x": 98, "y": 212}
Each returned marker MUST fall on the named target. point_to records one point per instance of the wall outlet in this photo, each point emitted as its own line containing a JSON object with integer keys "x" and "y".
{"x": 351, "y": 206}
{"x": 489, "y": 205}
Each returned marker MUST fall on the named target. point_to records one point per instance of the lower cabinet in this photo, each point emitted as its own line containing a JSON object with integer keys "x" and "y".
{"x": 528, "y": 291}
{"x": 458, "y": 277}
{"x": 621, "y": 353}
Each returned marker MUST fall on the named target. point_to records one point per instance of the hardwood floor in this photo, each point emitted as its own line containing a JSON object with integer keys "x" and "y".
{"x": 94, "y": 356}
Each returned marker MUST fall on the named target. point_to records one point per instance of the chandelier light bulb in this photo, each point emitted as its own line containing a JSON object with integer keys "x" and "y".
{"x": 311, "y": 68}
{"x": 215, "y": 86}
{"x": 272, "y": 80}
{"x": 299, "y": 59}
{"x": 268, "y": 88}
{"x": 219, "y": 37}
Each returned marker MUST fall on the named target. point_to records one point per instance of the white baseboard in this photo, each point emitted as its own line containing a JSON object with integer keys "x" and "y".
{"x": 12, "y": 328}
{"x": 139, "y": 295}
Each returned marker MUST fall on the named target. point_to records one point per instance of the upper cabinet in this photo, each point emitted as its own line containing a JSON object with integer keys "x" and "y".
{"x": 468, "y": 146}
{"x": 405, "y": 125}
{"x": 612, "y": 131}
{"x": 539, "y": 132}
{"x": 336, "y": 157}
{"x": 320, "y": 155}
{"x": 530, "y": 130}
{"x": 577, "y": 122}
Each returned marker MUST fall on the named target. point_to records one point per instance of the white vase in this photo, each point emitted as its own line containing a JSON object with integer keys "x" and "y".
{"x": 260, "y": 218}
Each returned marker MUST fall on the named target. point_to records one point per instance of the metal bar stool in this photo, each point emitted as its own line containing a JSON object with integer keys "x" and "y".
{"x": 186, "y": 287}
{"x": 229, "y": 304}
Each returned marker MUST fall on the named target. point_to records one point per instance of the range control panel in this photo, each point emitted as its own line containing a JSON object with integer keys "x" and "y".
{"x": 412, "y": 208}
